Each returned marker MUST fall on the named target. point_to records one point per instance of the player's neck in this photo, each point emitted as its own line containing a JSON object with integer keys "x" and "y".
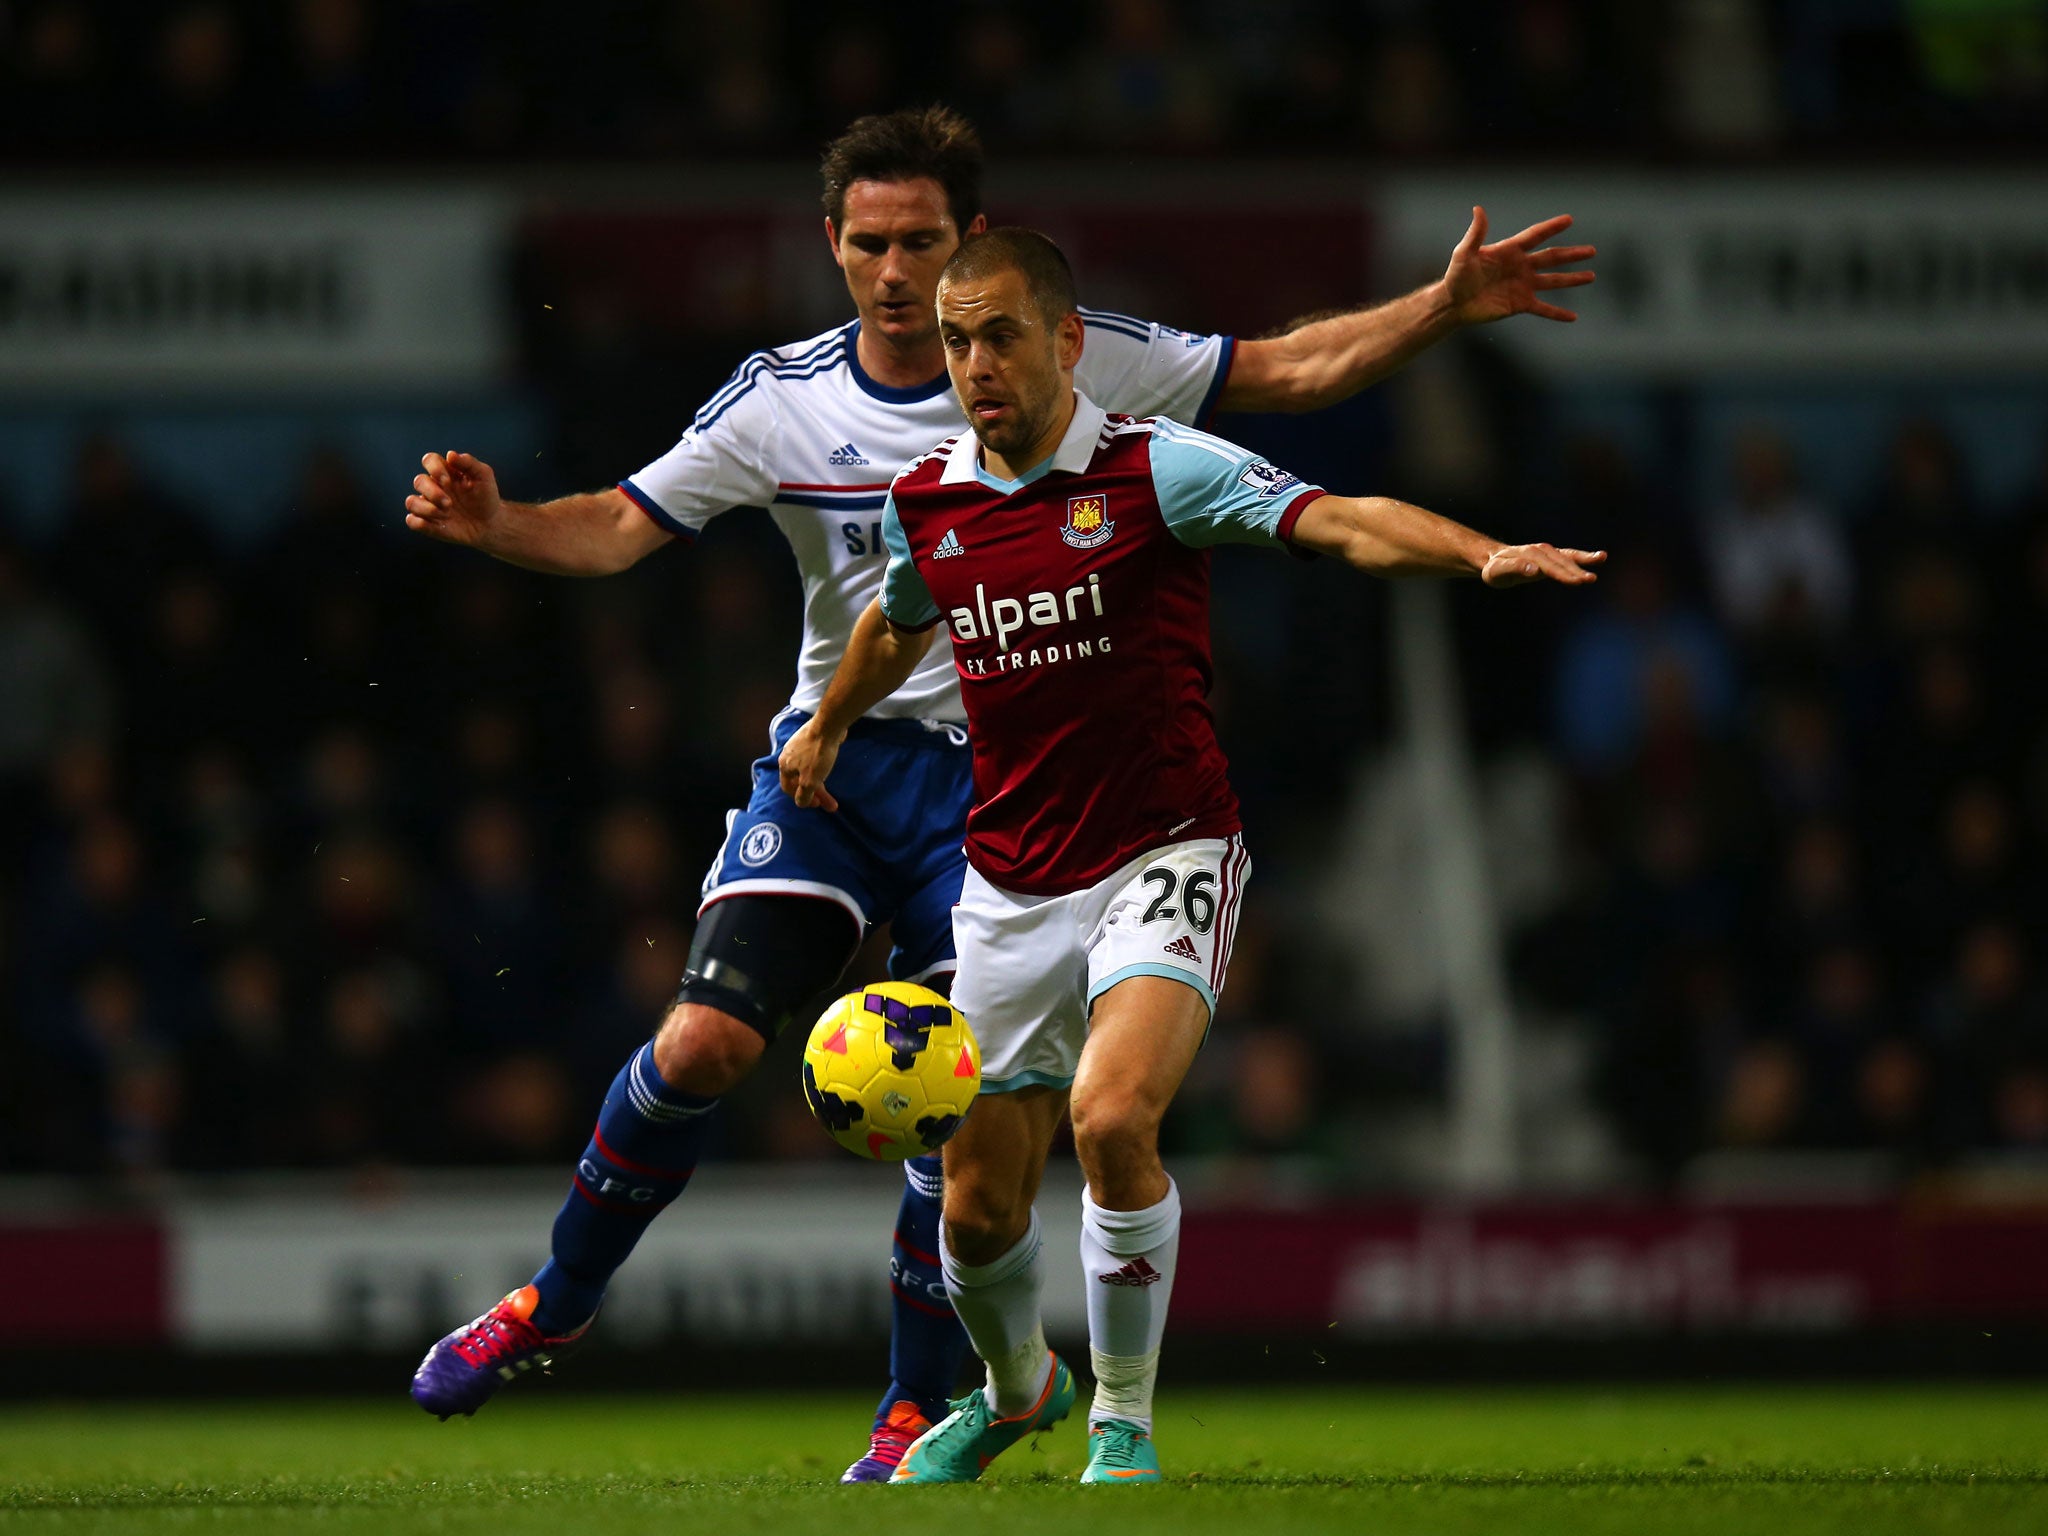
{"x": 899, "y": 367}
{"x": 1017, "y": 465}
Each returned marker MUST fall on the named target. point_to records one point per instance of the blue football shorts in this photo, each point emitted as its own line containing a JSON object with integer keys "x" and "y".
{"x": 890, "y": 853}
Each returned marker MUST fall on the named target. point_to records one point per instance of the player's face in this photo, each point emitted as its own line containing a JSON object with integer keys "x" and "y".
{"x": 892, "y": 242}
{"x": 1011, "y": 370}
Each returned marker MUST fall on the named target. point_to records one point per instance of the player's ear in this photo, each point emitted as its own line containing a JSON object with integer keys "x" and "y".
{"x": 976, "y": 226}
{"x": 832, "y": 239}
{"x": 1068, "y": 337}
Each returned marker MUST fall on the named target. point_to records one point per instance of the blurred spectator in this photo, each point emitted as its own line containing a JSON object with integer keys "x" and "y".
{"x": 118, "y": 537}
{"x": 1641, "y": 654}
{"x": 998, "y": 78}
{"x": 54, "y": 692}
{"x": 500, "y": 940}
{"x": 1920, "y": 542}
{"x": 58, "y": 91}
{"x": 94, "y": 909}
{"x": 1413, "y": 95}
{"x": 1763, "y": 1098}
{"x": 1723, "y": 85}
{"x": 336, "y": 96}
{"x": 246, "y": 1071}
{"x": 1148, "y": 78}
{"x": 200, "y": 92}
{"x": 632, "y": 877}
{"x": 1779, "y": 561}
{"x": 221, "y": 824}
{"x": 211, "y": 78}
{"x": 373, "y": 1088}
{"x": 193, "y": 679}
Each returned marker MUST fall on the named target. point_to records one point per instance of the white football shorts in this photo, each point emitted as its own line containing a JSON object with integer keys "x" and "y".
{"x": 1031, "y": 967}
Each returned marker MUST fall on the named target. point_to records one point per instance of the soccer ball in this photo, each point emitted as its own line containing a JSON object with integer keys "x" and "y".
{"x": 890, "y": 1070}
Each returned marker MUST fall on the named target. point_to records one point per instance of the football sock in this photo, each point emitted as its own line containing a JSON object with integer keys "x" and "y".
{"x": 1127, "y": 1259}
{"x": 927, "y": 1345}
{"x": 998, "y": 1305}
{"x": 640, "y": 1156}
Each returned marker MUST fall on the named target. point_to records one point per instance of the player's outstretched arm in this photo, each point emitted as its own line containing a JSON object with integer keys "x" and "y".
{"x": 455, "y": 499}
{"x": 1391, "y": 538}
{"x": 879, "y": 659}
{"x": 1322, "y": 359}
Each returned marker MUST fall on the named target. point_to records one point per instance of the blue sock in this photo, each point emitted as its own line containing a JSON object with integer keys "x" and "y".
{"x": 639, "y": 1158}
{"x": 927, "y": 1345}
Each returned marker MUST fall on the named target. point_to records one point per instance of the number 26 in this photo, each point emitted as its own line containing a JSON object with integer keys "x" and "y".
{"x": 1197, "y": 894}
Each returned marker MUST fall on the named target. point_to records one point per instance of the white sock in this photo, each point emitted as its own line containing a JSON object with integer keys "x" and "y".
{"x": 1127, "y": 1259}
{"x": 998, "y": 1306}
{"x": 1123, "y": 1387}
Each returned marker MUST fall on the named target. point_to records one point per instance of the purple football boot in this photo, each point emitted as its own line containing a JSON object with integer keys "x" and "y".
{"x": 891, "y": 1438}
{"x": 462, "y": 1371}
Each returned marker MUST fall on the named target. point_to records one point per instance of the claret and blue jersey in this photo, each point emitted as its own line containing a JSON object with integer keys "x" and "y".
{"x": 1077, "y": 598}
{"x": 805, "y": 432}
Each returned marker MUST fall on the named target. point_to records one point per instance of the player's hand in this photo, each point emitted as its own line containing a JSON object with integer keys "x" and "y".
{"x": 1490, "y": 282}
{"x": 454, "y": 499}
{"x": 805, "y": 764}
{"x": 1513, "y": 565}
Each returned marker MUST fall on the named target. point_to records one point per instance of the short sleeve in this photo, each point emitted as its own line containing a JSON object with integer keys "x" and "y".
{"x": 1136, "y": 368}
{"x": 718, "y": 463}
{"x": 906, "y": 600}
{"x": 1214, "y": 492}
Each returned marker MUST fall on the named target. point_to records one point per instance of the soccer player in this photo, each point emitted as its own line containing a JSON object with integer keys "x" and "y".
{"x": 1067, "y": 550}
{"x": 812, "y": 432}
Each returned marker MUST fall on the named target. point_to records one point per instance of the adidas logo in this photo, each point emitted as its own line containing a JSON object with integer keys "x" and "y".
{"x": 846, "y": 456}
{"x": 949, "y": 545}
{"x": 1137, "y": 1272}
{"x": 1184, "y": 948}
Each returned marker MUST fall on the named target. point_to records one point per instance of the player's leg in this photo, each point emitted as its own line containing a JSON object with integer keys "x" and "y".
{"x": 907, "y": 793}
{"x": 995, "y": 1271}
{"x": 927, "y": 1345}
{"x": 755, "y": 962}
{"x": 1157, "y": 963}
{"x": 992, "y": 1262}
{"x": 1022, "y": 984}
{"x": 1146, "y": 1032}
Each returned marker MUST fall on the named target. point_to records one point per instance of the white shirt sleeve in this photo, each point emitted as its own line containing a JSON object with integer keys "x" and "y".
{"x": 720, "y": 462}
{"x": 1137, "y": 368}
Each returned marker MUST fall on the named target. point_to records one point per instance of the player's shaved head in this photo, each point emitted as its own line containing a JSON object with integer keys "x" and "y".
{"x": 1048, "y": 277}
{"x": 920, "y": 143}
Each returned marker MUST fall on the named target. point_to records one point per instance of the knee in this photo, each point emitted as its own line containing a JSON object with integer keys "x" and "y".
{"x": 983, "y": 1224}
{"x": 1114, "y": 1125}
{"x": 700, "y": 1050}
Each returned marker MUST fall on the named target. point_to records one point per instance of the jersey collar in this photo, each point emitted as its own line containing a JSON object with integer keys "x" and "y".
{"x": 888, "y": 393}
{"x": 1073, "y": 456}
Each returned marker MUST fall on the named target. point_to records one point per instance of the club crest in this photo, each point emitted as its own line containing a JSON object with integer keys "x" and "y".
{"x": 1087, "y": 522}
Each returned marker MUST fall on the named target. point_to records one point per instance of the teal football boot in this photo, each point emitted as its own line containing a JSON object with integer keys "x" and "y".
{"x": 1120, "y": 1453}
{"x": 965, "y": 1441}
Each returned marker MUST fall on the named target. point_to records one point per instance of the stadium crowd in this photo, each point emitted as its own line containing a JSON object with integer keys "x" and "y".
{"x": 466, "y": 79}
{"x": 346, "y": 850}
{"x": 338, "y": 849}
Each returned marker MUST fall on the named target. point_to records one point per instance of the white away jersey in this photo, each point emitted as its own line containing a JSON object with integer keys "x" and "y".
{"x": 803, "y": 431}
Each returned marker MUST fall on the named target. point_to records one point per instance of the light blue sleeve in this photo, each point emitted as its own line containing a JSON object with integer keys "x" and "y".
{"x": 1214, "y": 492}
{"x": 906, "y": 600}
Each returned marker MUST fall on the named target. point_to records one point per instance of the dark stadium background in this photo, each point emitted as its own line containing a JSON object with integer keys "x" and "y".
{"x": 338, "y": 870}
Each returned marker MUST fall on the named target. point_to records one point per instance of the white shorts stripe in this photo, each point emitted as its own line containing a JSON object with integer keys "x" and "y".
{"x": 1226, "y": 922}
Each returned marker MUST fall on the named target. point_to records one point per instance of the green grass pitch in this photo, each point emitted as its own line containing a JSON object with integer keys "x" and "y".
{"x": 1778, "y": 1460}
